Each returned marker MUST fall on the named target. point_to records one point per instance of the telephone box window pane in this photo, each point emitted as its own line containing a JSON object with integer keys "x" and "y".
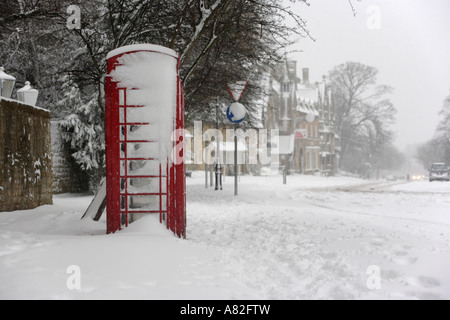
{"x": 121, "y": 97}
{"x": 163, "y": 186}
{"x": 122, "y": 203}
{"x": 163, "y": 203}
{"x": 143, "y": 168}
{"x": 121, "y": 115}
{"x": 144, "y": 132}
{"x": 122, "y": 168}
{"x": 123, "y": 219}
{"x": 122, "y": 150}
{"x": 147, "y": 203}
{"x": 143, "y": 185}
{"x": 136, "y": 98}
{"x": 141, "y": 114}
{"x": 143, "y": 150}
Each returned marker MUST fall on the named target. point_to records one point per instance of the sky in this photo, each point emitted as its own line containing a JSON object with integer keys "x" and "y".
{"x": 408, "y": 41}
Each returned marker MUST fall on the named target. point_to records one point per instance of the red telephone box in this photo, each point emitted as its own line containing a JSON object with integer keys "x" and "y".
{"x": 144, "y": 107}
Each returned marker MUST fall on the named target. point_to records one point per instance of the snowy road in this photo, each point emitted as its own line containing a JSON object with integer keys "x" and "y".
{"x": 304, "y": 241}
{"x": 315, "y": 238}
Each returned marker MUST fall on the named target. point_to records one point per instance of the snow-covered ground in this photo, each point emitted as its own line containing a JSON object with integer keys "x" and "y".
{"x": 314, "y": 238}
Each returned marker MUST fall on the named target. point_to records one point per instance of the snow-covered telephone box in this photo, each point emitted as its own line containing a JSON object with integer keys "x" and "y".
{"x": 144, "y": 115}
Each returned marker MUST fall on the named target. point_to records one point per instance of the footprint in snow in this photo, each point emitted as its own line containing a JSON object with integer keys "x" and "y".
{"x": 400, "y": 253}
{"x": 378, "y": 242}
{"x": 424, "y": 282}
{"x": 391, "y": 275}
{"x": 405, "y": 261}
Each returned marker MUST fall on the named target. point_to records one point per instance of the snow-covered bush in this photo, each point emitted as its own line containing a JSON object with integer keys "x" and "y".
{"x": 83, "y": 129}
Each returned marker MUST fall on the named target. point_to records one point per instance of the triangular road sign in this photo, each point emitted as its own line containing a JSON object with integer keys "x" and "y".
{"x": 237, "y": 89}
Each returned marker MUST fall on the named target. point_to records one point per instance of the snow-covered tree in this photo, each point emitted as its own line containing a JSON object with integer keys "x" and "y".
{"x": 443, "y": 130}
{"x": 438, "y": 149}
{"x": 364, "y": 115}
{"x": 83, "y": 129}
{"x": 219, "y": 42}
{"x": 35, "y": 46}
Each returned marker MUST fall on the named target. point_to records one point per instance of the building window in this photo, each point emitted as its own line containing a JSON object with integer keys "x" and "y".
{"x": 285, "y": 87}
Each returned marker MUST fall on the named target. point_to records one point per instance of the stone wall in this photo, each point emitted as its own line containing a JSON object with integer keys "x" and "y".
{"x": 25, "y": 157}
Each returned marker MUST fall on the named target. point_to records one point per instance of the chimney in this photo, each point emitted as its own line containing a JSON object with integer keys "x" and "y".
{"x": 305, "y": 75}
{"x": 293, "y": 69}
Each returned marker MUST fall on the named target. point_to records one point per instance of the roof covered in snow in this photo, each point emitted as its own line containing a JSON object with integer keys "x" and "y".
{"x": 142, "y": 47}
{"x": 308, "y": 94}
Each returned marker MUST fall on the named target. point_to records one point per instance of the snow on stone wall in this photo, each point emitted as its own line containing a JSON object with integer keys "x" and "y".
{"x": 25, "y": 157}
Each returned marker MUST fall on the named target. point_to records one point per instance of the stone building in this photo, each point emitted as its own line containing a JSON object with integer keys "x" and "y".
{"x": 303, "y": 113}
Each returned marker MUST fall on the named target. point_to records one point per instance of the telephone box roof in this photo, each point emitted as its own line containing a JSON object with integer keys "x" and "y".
{"x": 142, "y": 47}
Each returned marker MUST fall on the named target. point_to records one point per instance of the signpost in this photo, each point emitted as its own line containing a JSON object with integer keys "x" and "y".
{"x": 218, "y": 167}
{"x": 236, "y": 113}
{"x": 237, "y": 89}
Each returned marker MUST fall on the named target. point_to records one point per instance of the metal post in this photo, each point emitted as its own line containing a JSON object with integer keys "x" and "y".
{"x": 220, "y": 178}
{"x": 206, "y": 176}
{"x": 217, "y": 146}
{"x": 235, "y": 162}
{"x": 217, "y": 177}
{"x": 206, "y": 169}
{"x": 211, "y": 174}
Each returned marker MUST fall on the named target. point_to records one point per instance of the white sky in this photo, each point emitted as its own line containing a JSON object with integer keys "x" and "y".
{"x": 411, "y": 50}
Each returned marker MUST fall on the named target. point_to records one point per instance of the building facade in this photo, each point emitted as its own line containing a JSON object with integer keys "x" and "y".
{"x": 303, "y": 113}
